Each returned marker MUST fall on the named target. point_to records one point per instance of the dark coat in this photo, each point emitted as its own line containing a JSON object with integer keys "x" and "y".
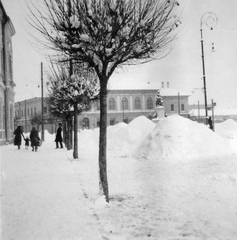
{"x": 34, "y": 138}
{"x": 27, "y": 141}
{"x": 18, "y": 133}
{"x": 59, "y": 135}
{"x": 210, "y": 123}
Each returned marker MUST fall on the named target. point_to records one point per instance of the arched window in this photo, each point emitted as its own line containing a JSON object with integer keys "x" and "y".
{"x": 112, "y": 104}
{"x": 125, "y": 103}
{"x": 149, "y": 103}
{"x": 137, "y": 103}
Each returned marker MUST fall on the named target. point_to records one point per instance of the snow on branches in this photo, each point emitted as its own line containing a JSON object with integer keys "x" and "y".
{"x": 119, "y": 31}
{"x": 65, "y": 91}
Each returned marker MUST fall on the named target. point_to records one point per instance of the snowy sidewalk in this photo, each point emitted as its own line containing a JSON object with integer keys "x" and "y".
{"x": 45, "y": 190}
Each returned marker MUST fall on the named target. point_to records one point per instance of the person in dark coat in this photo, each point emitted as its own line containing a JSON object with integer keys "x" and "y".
{"x": 210, "y": 123}
{"x": 58, "y": 138}
{"x": 18, "y": 133}
{"x": 27, "y": 141}
{"x": 34, "y": 138}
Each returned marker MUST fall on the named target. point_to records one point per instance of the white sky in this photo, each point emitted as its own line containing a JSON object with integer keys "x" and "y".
{"x": 182, "y": 68}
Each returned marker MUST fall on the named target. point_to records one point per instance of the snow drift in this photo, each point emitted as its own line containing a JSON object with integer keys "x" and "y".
{"x": 179, "y": 138}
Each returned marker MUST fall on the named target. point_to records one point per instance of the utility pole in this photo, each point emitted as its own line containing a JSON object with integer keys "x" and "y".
{"x": 213, "y": 116}
{"x": 210, "y": 19}
{"x": 25, "y": 118}
{"x": 42, "y": 103}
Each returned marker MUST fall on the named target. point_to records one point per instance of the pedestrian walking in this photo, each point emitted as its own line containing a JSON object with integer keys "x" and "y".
{"x": 18, "y": 133}
{"x": 210, "y": 123}
{"x": 27, "y": 142}
{"x": 34, "y": 138}
{"x": 58, "y": 138}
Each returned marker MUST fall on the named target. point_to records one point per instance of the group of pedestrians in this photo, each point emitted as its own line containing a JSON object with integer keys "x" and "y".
{"x": 34, "y": 138}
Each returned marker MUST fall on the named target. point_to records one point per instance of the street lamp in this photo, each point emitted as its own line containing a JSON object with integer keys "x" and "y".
{"x": 210, "y": 19}
{"x": 42, "y": 103}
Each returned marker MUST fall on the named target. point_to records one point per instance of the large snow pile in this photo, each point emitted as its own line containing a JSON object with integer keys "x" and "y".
{"x": 122, "y": 138}
{"x": 227, "y": 129}
{"x": 176, "y": 137}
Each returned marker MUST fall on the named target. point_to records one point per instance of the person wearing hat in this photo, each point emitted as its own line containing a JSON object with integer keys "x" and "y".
{"x": 58, "y": 138}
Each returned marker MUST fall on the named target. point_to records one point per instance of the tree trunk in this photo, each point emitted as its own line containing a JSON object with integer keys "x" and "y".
{"x": 75, "y": 150}
{"x": 103, "y": 182}
{"x": 69, "y": 147}
{"x": 65, "y": 133}
{"x": 68, "y": 142}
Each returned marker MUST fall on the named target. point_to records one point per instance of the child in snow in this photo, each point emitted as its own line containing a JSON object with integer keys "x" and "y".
{"x": 27, "y": 140}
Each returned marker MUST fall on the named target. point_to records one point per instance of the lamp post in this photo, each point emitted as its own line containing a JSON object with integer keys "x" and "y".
{"x": 210, "y": 19}
{"x": 42, "y": 103}
{"x": 25, "y": 118}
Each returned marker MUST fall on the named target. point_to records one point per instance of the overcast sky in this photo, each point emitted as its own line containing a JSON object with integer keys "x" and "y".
{"x": 182, "y": 68}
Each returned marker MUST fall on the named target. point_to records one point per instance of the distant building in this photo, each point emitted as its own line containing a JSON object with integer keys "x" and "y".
{"x": 27, "y": 109}
{"x": 123, "y": 105}
{"x": 127, "y": 104}
{"x": 6, "y": 78}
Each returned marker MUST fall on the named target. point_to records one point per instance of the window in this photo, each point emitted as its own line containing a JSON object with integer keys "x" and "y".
{"x": 28, "y": 112}
{"x": 10, "y": 68}
{"x": 172, "y": 107}
{"x": 149, "y": 103}
{"x": 112, "y": 121}
{"x": 31, "y": 112}
{"x": 125, "y": 103}
{"x": 112, "y": 104}
{"x": 35, "y": 111}
{"x": 182, "y": 107}
{"x": 137, "y": 103}
{"x": 21, "y": 113}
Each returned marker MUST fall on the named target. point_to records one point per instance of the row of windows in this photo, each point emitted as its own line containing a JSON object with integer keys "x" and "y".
{"x": 137, "y": 104}
{"x": 125, "y": 104}
{"x": 29, "y": 112}
{"x": 172, "y": 107}
{"x": 22, "y": 113}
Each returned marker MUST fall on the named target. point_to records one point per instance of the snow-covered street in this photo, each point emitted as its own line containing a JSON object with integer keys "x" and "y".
{"x": 46, "y": 195}
{"x": 42, "y": 197}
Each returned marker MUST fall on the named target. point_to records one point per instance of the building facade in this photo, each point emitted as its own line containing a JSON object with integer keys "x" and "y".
{"x": 30, "y": 108}
{"x": 127, "y": 104}
{"x": 122, "y": 105}
{"x": 7, "y": 84}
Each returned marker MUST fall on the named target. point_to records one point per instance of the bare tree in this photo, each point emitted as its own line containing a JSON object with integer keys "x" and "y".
{"x": 107, "y": 34}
